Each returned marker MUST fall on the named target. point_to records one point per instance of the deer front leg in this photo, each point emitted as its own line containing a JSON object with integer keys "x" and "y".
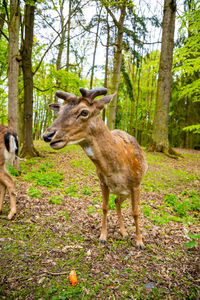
{"x": 105, "y": 207}
{"x": 118, "y": 202}
{"x": 135, "y": 198}
{"x": 2, "y": 195}
{"x": 9, "y": 182}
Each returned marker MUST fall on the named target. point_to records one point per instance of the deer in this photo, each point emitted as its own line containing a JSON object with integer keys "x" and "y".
{"x": 120, "y": 161}
{"x": 8, "y": 153}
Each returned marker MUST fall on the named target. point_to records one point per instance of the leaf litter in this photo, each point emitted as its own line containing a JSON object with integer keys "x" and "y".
{"x": 46, "y": 240}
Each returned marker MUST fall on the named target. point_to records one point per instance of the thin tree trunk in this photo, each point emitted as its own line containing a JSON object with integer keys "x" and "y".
{"x": 160, "y": 140}
{"x": 68, "y": 36}
{"x": 137, "y": 104}
{"x": 13, "y": 65}
{"x": 132, "y": 102}
{"x": 95, "y": 50}
{"x": 106, "y": 62}
{"x": 2, "y": 20}
{"x": 112, "y": 108}
{"x": 61, "y": 44}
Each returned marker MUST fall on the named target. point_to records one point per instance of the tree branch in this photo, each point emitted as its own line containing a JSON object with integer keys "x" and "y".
{"x": 46, "y": 90}
{"x": 110, "y": 13}
{"x": 6, "y": 9}
{"x": 38, "y": 66}
{"x": 4, "y": 35}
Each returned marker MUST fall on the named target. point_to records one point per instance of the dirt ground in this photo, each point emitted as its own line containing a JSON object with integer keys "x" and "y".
{"x": 58, "y": 223}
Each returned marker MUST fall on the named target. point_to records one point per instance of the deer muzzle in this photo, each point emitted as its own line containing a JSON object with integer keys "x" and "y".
{"x": 49, "y": 136}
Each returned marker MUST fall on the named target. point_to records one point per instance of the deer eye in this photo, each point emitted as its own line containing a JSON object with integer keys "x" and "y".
{"x": 84, "y": 113}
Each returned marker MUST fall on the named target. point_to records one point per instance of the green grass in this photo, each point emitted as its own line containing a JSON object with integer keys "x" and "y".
{"x": 12, "y": 170}
{"x": 56, "y": 199}
{"x": 72, "y": 191}
{"x": 35, "y": 193}
{"x": 48, "y": 179}
{"x": 184, "y": 208}
{"x": 163, "y": 177}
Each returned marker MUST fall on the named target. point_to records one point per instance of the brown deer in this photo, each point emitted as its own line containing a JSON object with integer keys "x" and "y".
{"x": 8, "y": 153}
{"x": 119, "y": 160}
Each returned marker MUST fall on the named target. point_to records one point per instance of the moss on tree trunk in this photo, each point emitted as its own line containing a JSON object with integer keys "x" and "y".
{"x": 160, "y": 140}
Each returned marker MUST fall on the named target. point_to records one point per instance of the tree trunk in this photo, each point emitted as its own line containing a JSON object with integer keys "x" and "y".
{"x": 137, "y": 102}
{"x": 62, "y": 39}
{"x": 68, "y": 36}
{"x": 106, "y": 62}
{"x": 95, "y": 50}
{"x": 112, "y": 108}
{"x": 160, "y": 140}
{"x": 28, "y": 148}
{"x": 2, "y": 19}
{"x": 13, "y": 65}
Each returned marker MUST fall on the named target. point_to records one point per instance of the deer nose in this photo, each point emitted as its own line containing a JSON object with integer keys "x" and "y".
{"x": 48, "y": 137}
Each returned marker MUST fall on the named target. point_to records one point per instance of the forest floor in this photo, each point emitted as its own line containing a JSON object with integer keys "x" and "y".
{"x": 57, "y": 229}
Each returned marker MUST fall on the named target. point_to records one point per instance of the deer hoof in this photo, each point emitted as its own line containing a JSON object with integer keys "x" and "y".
{"x": 102, "y": 242}
{"x": 140, "y": 247}
{"x": 11, "y": 216}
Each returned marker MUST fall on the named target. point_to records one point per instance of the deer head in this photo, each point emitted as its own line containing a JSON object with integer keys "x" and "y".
{"x": 75, "y": 117}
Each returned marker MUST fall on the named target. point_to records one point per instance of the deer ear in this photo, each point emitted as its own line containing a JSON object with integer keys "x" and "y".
{"x": 100, "y": 103}
{"x": 55, "y": 106}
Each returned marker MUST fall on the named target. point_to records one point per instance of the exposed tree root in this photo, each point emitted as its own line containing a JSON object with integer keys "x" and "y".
{"x": 167, "y": 151}
{"x": 28, "y": 153}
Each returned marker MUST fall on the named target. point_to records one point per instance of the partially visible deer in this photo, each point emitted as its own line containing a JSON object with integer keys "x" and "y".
{"x": 8, "y": 152}
{"x": 119, "y": 160}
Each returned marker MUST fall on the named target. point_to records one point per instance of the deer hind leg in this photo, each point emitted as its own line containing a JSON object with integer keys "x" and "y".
{"x": 9, "y": 182}
{"x": 105, "y": 207}
{"x": 135, "y": 197}
{"x": 2, "y": 195}
{"x": 118, "y": 202}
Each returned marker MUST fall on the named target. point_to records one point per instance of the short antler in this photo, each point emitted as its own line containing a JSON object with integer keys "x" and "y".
{"x": 65, "y": 96}
{"x": 91, "y": 94}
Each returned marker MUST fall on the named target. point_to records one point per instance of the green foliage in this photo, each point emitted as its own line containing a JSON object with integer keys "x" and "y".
{"x": 48, "y": 179}
{"x": 175, "y": 209}
{"x": 112, "y": 204}
{"x": 12, "y": 170}
{"x": 185, "y": 106}
{"x": 55, "y": 199}
{"x": 72, "y": 190}
{"x": 91, "y": 209}
{"x": 183, "y": 205}
{"x": 169, "y": 177}
{"x": 35, "y": 193}
{"x": 66, "y": 215}
{"x": 86, "y": 190}
{"x": 195, "y": 240}
{"x": 137, "y": 94}
{"x": 193, "y": 128}
{"x": 187, "y": 60}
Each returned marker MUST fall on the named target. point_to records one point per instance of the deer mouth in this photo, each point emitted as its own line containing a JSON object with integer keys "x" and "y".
{"x": 58, "y": 144}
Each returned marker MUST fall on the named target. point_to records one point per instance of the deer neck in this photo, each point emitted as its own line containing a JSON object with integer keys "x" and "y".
{"x": 98, "y": 145}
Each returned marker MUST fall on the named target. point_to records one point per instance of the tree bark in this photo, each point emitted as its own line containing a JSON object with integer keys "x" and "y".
{"x": 68, "y": 35}
{"x": 2, "y": 19}
{"x": 112, "y": 108}
{"x": 13, "y": 65}
{"x": 160, "y": 140}
{"x": 62, "y": 38}
{"x": 28, "y": 148}
{"x": 106, "y": 62}
{"x": 95, "y": 50}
